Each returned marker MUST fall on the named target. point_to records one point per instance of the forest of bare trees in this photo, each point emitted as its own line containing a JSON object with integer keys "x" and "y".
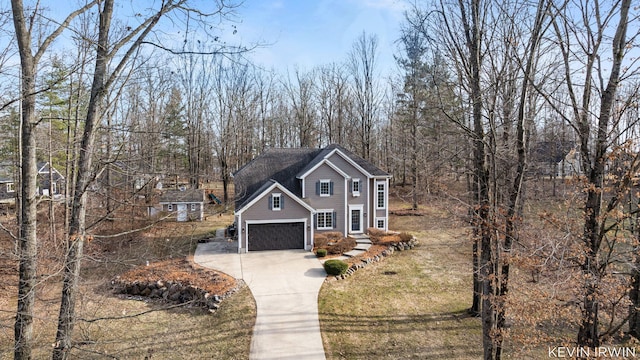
{"x": 483, "y": 95}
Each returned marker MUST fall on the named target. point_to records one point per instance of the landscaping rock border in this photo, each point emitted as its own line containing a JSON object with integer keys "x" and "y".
{"x": 172, "y": 291}
{"x": 400, "y": 246}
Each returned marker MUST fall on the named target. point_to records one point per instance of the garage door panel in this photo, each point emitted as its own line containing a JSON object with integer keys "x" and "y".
{"x": 279, "y": 236}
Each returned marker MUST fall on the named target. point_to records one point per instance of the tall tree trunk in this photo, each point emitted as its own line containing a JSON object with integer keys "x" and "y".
{"x": 28, "y": 243}
{"x": 516, "y": 187}
{"x": 592, "y": 236}
{"x": 482, "y": 222}
{"x": 634, "y": 292}
{"x": 75, "y": 242}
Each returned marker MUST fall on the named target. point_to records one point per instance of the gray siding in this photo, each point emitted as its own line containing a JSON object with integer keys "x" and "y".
{"x": 195, "y": 214}
{"x": 336, "y": 201}
{"x": 345, "y": 166}
{"x": 7, "y": 196}
{"x": 260, "y": 211}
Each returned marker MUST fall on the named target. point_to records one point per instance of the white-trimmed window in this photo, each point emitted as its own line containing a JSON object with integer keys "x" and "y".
{"x": 54, "y": 188}
{"x": 355, "y": 187}
{"x": 324, "y": 188}
{"x": 193, "y": 207}
{"x": 276, "y": 202}
{"x": 325, "y": 219}
{"x": 380, "y": 195}
{"x": 11, "y": 187}
{"x": 380, "y": 222}
{"x": 170, "y": 207}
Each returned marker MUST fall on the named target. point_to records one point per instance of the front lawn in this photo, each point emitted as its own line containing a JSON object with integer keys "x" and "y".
{"x": 412, "y": 305}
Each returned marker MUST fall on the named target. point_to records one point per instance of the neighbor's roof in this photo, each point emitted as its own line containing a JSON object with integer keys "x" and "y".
{"x": 186, "y": 196}
{"x": 7, "y": 171}
{"x": 551, "y": 151}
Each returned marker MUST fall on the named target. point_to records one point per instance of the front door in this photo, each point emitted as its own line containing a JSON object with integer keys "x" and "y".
{"x": 355, "y": 219}
{"x": 182, "y": 212}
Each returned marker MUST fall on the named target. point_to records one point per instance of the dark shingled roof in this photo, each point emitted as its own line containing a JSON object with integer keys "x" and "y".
{"x": 187, "y": 196}
{"x": 281, "y": 165}
{"x": 551, "y": 152}
{"x": 284, "y": 166}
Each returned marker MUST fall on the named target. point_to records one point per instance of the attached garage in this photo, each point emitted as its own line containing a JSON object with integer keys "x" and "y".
{"x": 274, "y": 219}
{"x": 276, "y": 236}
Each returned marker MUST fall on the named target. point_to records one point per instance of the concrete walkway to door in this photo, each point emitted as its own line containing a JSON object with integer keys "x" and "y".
{"x": 285, "y": 286}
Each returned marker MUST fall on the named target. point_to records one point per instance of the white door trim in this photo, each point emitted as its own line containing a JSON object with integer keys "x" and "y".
{"x": 359, "y": 207}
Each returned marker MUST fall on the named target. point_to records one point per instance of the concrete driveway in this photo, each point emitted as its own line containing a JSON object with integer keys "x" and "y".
{"x": 285, "y": 286}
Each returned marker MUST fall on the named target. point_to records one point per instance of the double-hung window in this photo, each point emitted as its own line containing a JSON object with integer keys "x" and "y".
{"x": 11, "y": 187}
{"x": 325, "y": 188}
{"x": 355, "y": 187}
{"x": 325, "y": 219}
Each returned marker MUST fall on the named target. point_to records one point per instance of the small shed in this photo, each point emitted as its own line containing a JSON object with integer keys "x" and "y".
{"x": 188, "y": 205}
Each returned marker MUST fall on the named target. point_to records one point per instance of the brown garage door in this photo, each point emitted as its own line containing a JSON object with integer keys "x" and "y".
{"x": 279, "y": 236}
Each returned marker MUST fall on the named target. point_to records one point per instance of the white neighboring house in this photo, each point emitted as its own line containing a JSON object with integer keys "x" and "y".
{"x": 187, "y": 205}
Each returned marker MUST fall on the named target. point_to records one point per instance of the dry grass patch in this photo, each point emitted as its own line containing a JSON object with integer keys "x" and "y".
{"x": 116, "y": 328}
{"x": 181, "y": 333}
{"x": 410, "y": 306}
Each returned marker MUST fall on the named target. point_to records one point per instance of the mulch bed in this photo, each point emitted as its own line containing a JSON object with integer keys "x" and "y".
{"x": 184, "y": 271}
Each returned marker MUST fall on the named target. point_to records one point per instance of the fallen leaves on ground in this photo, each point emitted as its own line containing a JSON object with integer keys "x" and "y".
{"x": 184, "y": 271}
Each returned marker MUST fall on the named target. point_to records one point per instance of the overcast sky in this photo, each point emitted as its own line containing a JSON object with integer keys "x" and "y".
{"x": 306, "y": 33}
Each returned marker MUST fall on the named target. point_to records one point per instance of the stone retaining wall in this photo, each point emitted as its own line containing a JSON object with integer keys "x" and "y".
{"x": 401, "y": 246}
{"x": 171, "y": 291}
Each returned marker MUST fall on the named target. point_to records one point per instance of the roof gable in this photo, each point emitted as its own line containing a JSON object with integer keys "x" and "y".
{"x": 308, "y": 170}
{"x": 267, "y": 188}
{"x": 364, "y": 166}
{"x": 43, "y": 168}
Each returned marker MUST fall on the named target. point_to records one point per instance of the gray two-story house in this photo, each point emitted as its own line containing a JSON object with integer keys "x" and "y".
{"x": 50, "y": 181}
{"x": 285, "y": 196}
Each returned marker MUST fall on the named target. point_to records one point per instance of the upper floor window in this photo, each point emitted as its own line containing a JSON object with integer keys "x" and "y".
{"x": 276, "y": 202}
{"x": 193, "y": 207}
{"x": 325, "y": 187}
{"x": 170, "y": 207}
{"x": 11, "y": 187}
{"x": 355, "y": 187}
{"x": 380, "y": 197}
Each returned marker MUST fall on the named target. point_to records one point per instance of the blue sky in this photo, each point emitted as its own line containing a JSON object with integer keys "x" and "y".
{"x": 306, "y": 33}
